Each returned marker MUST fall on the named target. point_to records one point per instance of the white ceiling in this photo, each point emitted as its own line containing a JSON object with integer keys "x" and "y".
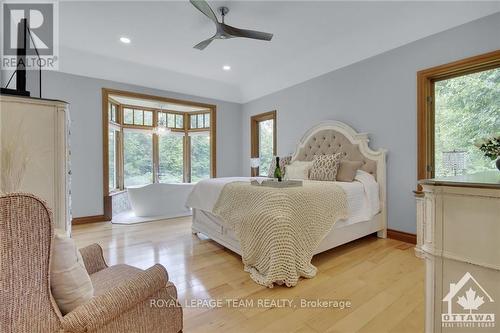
{"x": 310, "y": 39}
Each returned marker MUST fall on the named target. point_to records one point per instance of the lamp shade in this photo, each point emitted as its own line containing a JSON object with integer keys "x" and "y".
{"x": 254, "y": 162}
{"x": 455, "y": 161}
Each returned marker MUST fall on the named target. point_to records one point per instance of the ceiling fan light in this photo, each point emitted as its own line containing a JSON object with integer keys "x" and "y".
{"x": 224, "y": 31}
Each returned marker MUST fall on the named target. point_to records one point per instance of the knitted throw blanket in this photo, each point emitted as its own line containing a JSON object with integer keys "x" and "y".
{"x": 279, "y": 228}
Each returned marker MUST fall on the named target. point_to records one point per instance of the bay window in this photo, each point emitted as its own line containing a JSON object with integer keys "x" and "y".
{"x": 157, "y": 141}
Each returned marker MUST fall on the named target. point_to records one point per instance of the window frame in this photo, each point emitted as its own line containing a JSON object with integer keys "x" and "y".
{"x": 175, "y": 113}
{"x": 121, "y": 175}
{"x": 197, "y": 128}
{"x": 136, "y": 108}
{"x": 255, "y": 120}
{"x": 157, "y": 147}
{"x": 118, "y": 156}
{"x": 426, "y": 80}
{"x": 106, "y": 125}
{"x": 118, "y": 113}
{"x": 188, "y": 150}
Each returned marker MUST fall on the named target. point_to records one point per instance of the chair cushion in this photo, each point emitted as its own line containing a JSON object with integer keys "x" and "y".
{"x": 69, "y": 281}
{"x": 113, "y": 276}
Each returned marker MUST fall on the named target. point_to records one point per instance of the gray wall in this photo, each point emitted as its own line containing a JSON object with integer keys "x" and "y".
{"x": 377, "y": 96}
{"x": 84, "y": 96}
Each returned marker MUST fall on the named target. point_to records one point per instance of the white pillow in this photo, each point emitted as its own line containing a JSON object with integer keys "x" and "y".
{"x": 298, "y": 170}
{"x": 69, "y": 281}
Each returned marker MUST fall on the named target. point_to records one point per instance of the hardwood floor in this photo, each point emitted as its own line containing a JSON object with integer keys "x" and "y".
{"x": 382, "y": 279}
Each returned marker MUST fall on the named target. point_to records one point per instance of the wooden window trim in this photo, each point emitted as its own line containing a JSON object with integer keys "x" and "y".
{"x": 113, "y": 102}
{"x": 254, "y": 135}
{"x": 197, "y": 113}
{"x": 425, "y": 103}
{"x": 106, "y": 93}
{"x": 118, "y": 157}
{"x": 134, "y": 109}
{"x": 201, "y": 129}
{"x": 187, "y": 158}
{"x": 139, "y": 127}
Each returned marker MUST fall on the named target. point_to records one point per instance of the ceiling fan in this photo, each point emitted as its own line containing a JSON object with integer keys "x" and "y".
{"x": 225, "y": 31}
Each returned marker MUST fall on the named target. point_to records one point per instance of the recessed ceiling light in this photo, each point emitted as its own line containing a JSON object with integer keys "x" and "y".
{"x": 226, "y": 67}
{"x": 125, "y": 40}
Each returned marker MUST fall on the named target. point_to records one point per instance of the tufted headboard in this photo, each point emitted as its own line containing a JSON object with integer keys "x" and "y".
{"x": 332, "y": 137}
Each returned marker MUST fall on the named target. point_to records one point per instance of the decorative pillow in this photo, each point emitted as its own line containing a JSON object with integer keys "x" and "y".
{"x": 325, "y": 167}
{"x": 69, "y": 281}
{"x": 298, "y": 170}
{"x": 347, "y": 170}
{"x": 284, "y": 161}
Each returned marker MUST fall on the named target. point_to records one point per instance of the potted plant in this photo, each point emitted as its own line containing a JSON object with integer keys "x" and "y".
{"x": 491, "y": 148}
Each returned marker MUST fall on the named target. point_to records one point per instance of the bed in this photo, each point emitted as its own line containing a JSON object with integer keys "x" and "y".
{"x": 325, "y": 138}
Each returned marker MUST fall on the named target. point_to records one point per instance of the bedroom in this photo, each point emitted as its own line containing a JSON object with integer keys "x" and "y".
{"x": 357, "y": 67}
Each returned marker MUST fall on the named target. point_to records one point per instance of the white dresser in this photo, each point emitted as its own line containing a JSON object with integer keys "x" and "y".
{"x": 458, "y": 234}
{"x": 34, "y": 135}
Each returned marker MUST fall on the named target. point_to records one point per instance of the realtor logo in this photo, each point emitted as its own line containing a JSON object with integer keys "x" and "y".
{"x": 464, "y": 301}
{"x": 41, "y": 34}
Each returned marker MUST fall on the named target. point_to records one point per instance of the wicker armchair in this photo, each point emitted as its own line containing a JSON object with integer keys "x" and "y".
{"x": 122, "y": 294}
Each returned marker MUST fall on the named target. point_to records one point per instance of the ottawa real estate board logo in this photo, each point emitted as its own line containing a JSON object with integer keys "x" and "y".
{"x": 32, "y": 26}
{"x": 465, "y": 301}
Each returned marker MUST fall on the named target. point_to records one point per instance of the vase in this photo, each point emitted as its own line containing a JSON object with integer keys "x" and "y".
{"x": 498, "y": 163}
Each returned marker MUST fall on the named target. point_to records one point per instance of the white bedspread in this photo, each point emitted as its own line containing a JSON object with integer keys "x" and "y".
{"x": 362, "y": 195}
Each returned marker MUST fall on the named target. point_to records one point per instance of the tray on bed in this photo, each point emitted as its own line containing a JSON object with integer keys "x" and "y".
{"x": 277, "y": 184}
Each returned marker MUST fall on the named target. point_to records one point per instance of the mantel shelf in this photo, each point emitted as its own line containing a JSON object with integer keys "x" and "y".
{"x": 487, "y": 179}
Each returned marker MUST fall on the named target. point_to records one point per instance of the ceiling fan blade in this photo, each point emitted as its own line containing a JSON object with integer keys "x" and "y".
{"x": 202, "y": 45}
{"x": 204, "y": 7}
{"x": 236, "y": 32}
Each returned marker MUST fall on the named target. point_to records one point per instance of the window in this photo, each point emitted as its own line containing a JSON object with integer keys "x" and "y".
{"x": 148, "y": 118}
{"x": 266, "y": 144}
{"x": 200, "y": 156}
{"x": 137, "y": 154}
{"x": 467, "y": 108}
{"x": 113, "y": 112}
{"x": 128, "y": 116}
{"x": 137, "y": 117}
{"x": 263, "y": 140}
{"x": 171, "y": 158}
{"x": 112, "y": 156}
{"x": 173, "y": 120}
{"x": 458, "y": 104}
{"x": 138, "y": 157}
{"x": 198, "y": 121}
